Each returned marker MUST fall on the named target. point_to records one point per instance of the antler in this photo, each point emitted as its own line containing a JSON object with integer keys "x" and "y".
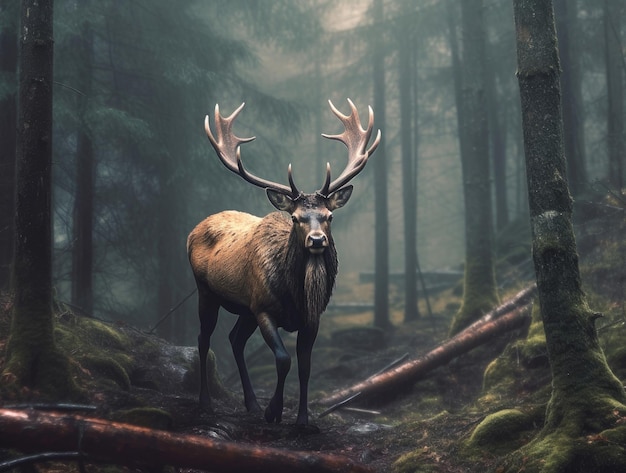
{"x": 355, "y": 138}
{"x": 228, "y": 149}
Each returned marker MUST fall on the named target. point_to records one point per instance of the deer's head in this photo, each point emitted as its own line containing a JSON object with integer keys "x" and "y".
{"x": 311, "y": 213}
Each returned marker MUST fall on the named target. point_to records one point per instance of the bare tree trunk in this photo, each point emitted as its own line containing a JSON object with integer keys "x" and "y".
{"x": 8, "y": 126}
{"x": 82, "y": 250}
{"x": 572, "y": 106}
{"x": 586, "y": 397}
{"x": 32, "y": 358}
{"x": 123, "y": 444}
{"x": 479, "y": 289}
{"x": 615, "y": 88}
{"x": 381, "y": 279}
{"x": 409, "y": 199}
{"x": 497, "y": 142}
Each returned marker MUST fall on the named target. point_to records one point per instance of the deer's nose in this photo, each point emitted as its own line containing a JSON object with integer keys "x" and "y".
{"x": 316, "y": 242}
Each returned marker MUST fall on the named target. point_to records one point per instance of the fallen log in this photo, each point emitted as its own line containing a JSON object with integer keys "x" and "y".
{"x": 123, "y": 444}
{"x": 411, "y": 371}
{"x": 522, "y": 298}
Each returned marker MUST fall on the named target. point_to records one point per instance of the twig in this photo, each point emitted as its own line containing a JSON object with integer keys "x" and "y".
{"x": 336, "y": 406}
{"x": 63, "y": 407}
{"x": 171, "y": 311}
{"x": 39, "y": 458}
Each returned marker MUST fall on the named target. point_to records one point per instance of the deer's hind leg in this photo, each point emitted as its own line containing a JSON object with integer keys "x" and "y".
{"x": 208, "y": 309}
{"x": 239, "y": 335}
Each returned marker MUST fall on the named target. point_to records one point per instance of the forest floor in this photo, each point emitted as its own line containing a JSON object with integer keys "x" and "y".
{"x": 428, "y": 419}
{"x": 423, "y": 428}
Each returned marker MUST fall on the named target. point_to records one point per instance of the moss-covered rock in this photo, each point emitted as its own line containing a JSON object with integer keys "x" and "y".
{"x": 191, "y": 378}
{"x": 501, "y": 432}
{"x": 108, "y": 368}
{"x": 417, "y": 461}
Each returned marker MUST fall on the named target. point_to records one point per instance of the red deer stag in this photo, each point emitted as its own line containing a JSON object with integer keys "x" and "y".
{"x": 272, "y": 271}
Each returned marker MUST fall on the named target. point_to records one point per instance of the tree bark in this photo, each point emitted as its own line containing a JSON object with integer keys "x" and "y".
{"x": 572, "y": 106}
{"x": 381, "y": 269}
{"x": 479, "y": 288}
{"x": 82, "y": 250}
{"x": 8, "y": 126}
{"x": 585, "y": 393}
{"x": 32, "y": 358}
{"x": 133, "y": 446}
{"x": 508, "y": 316}
{"x": 409, "y": 198}
{"x": 615, "y": 93}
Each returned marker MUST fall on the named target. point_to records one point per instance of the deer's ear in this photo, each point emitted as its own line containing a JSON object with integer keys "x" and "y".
{"x": 339, "y": 198}
{"x": 280, "y": 201}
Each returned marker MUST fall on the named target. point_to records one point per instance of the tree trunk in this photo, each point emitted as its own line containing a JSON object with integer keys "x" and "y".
{"x": 572, "y": 106}
{"x": 497, "y": 142}
{"x": 124, "y": 444}
{"x": 32, "y": 358}
{"x": 8, "y": 126}
{"x": 82, "y": 249}
{"x": 585, "y": 394}
{"x": 479, "y": 289}
{"x": 381, "y": 270}
{"x": 508, "y": 316}
{"x": 615, "y": 93}
{"x": 409, "y": 199}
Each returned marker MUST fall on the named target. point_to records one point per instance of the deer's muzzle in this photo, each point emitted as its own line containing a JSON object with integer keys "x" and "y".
{"x": 316, "y": 243}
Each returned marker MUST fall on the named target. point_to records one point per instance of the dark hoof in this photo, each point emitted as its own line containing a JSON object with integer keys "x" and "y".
{"x": 271, "y": 416}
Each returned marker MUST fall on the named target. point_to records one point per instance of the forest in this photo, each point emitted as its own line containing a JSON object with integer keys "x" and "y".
{"x": 477, "y": 320}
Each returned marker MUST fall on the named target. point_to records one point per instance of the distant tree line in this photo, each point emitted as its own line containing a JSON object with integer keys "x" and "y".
{"x": 132, "y": 172}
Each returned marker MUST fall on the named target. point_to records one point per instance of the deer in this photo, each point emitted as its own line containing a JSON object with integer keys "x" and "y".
{"x": 273, "y": 272}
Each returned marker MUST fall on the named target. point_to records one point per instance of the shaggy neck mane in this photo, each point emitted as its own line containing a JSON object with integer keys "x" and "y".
{"x": 312, "y": 277}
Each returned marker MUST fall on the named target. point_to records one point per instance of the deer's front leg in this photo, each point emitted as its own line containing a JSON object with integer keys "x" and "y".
{"x": 269, "y": 330}
{"x": 306, "y": 338}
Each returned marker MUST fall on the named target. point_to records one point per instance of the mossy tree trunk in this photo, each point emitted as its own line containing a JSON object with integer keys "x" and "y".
{"x": 479, "y": 288}
{"x": 32, "y": 358}
{"x": 586, "y": 397}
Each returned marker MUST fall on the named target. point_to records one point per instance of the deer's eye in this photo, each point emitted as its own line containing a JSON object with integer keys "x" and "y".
{"x": 294, "y": 219}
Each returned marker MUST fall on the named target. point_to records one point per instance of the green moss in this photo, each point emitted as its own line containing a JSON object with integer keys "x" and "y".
{"x": 559, "y": 452}
{"x": 103, "y": 335}
{"x": 109, "y": 368}
{"x": 500, "y": 432}
{"x": 417, "y": 461}
{"x": 145, "y": 417}
{"x": 35, "y": 366}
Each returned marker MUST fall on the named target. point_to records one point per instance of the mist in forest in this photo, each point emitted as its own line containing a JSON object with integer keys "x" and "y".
{"x": 134, "y": 169}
